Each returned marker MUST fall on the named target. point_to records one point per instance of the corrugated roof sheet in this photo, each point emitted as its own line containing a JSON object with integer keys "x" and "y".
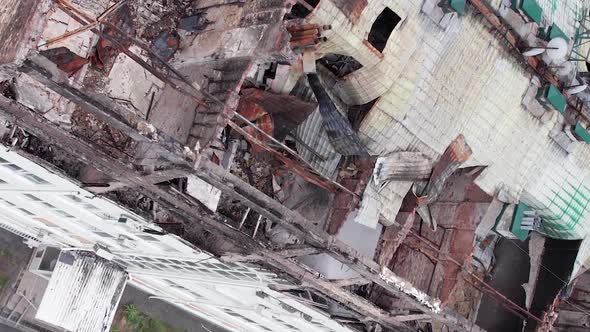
{"x": 83, "y": 292}
{"x": 324, "y": 157}
{"x": 344, "y": 139}
{"x": 312, "y": 141}
{"x": 403, "y": 165}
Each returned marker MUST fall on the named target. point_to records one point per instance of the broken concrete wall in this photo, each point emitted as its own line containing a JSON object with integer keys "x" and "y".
{"x": 435, "y": 83}
{"x": 21, "y": 22}
{"x": 58, "y": 23}
{"x": 130, "y": 82}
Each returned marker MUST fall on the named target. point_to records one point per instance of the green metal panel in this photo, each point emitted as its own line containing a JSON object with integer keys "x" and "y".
{"x": 458, "y": 5}
{"x": 555, "y": 32}
{"x": 515, "y": 228}
{"x": 567, "y": 209}
{"x": 532, "y": 9}
{"x": 556, "y": 98}
{"x": 582, "y": 133}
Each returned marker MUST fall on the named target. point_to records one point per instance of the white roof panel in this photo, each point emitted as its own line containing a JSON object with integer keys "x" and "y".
{"x": 83, "y": 293}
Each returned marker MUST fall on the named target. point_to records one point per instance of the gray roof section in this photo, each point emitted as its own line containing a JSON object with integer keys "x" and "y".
{"x": 83, "y": 293}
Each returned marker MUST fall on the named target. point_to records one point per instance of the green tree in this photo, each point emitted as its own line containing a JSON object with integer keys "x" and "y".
{"x": 134, "y": 316}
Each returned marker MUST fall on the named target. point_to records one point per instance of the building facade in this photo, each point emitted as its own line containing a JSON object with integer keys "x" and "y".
{"x": 427, "y": 74}
{"x": 78, "y": 236}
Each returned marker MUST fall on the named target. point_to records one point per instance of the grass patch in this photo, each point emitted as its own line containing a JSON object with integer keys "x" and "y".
{"x": 138, "y": 321}
{"x": 3, "y": 281}
{"x": 3, "y": 252}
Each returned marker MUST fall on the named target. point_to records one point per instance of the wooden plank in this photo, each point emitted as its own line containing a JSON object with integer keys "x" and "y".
{"x": 183, "y": 207}
{"x": 117, "y": 116}
{"x": 297, "y": 252}
{"x": 186, "y": 208}
{"x": 351, "y": 282}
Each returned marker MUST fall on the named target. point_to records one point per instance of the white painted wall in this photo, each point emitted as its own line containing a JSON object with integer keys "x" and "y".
{"x": 39, "y": 204}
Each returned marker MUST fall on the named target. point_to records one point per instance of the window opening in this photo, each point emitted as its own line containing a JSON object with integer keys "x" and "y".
{"x": 382, "y": 28}
{"x": 340, "y": 65}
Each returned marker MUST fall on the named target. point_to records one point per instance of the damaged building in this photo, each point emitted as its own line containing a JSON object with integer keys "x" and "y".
{"x": 298, "y": 165}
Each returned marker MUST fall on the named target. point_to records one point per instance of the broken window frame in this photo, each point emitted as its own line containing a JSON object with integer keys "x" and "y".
{"x": 385, "y": 17}
{"x": 340, "y": 58}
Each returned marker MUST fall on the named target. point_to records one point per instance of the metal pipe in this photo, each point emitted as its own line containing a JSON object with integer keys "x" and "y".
{"x": 244, "y": 218}
{"x": 257, "y": 226}
{"x": 302, "y": 27}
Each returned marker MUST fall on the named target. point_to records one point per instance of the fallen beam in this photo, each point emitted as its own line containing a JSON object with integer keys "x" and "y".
{"x": 454, "y": 156}
{"x": 182, "y": 206}
{"x": 312, "y": 235}
{"x": 117, "y": 116}
{"x": 217, "y": 176}
{"x": 350, "y": 282}
{"x": 408, "y": 318}
{"x": 297, "y": 252}
{"x": 348, "y": 299}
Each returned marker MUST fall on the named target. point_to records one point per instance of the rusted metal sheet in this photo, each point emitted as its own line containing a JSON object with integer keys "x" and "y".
{"x": 408, "y": 166}
{"x": 352, "y": 9}
{"x": 294, "y": 166}
{"x": 285, "y": 112}
{"x": 456, "y": 154}
{"x": 65, "y": 59}
{"x": 106, "y": 48}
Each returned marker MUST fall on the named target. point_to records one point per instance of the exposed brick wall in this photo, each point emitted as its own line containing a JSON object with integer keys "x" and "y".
{"x": 436, "y": 83}
{"x": 344, "y": 203}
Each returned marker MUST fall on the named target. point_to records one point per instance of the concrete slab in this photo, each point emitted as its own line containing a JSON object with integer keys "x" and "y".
{"x": 130, "y": 81}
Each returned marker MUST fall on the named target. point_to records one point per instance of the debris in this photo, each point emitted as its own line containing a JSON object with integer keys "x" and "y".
{"x": 166, "y": 44}
{"x": 339, "y": 130}
{"x": 65, "y": 59}
{"x": 277, "y": 114}
{"x": 193, "y": 23}
{"x": 407, "y": 166}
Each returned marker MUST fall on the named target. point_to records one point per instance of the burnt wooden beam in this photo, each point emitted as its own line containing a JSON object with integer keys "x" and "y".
{"x": 414, "y": 317}
{"x": 232, "y": 258}
{"x": 186, "y": 208}
{"x": 350, "y": 282}
{"x": 180, "y": 205}
{"x": 297, "y": 252}
{"x": 348, "y": 299}
{"x": 153, "y": 177}
{"x": 117, "y": 116}
{"x": 316, "y": 237}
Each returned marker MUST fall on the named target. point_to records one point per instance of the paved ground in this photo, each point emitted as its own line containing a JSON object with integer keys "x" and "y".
{"x": 4, "y": 328}
{"x": 14, "y": 256}
{"x": 510, "y": 272}
{"x": 166, "y": 312}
